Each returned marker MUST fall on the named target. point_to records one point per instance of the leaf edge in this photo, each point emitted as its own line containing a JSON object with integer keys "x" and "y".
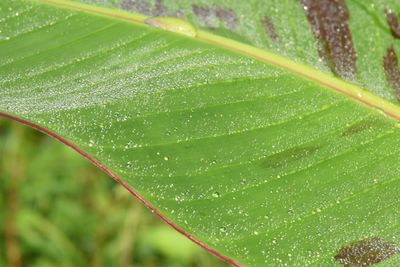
{"x": 116, "y": 178}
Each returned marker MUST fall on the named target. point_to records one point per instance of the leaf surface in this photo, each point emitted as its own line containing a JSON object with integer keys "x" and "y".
{"x": 349, "y": 39}
{"x": 260, "y": 159}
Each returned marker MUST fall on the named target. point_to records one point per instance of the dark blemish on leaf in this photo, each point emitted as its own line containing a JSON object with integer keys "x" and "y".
{"x": 287, "y": 156}
{"x": 140, "y": 6}
{"x": 204, "y": 14}
{"x": 208, "y": 15}
{"x": 160, "y": 9}
{"x": 269, "y": 28}
{"x": 227, "y": 16}
{"x": 329, "y": 23}
{"x": 366, "y": 252}
{"x": 393, "y": 22}
{"x": 361, "y": 126}
{"x": 392, "y": 72}
{"x": 156, "y": 8}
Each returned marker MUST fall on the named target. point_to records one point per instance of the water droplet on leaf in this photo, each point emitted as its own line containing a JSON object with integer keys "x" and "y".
{"x": 215, "y": 194}
{"x": 173, "y": 25}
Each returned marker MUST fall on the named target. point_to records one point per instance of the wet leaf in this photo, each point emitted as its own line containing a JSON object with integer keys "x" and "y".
{"x": 266, "y": 157}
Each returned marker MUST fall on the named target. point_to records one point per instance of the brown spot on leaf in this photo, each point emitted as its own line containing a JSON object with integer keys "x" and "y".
{"x": 160, "y": 9}
{"x": 269, "y": 28}
{"x": 392, "y": 72}
{"x": 366, "y": 252}
{"x": 140, "y": 6}
{"x": 227, "y": 16}
{"x": 209, "y": 14}
{"x": 329, "y": 23}
{"x": 155, "y": 8}
{"x": 290, "y": 155}
{"x": 204, "y": 14}
{"x": 393, "y": 22}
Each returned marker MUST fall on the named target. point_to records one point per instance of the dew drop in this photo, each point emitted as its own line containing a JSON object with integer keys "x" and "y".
{"x": 216, "y": 194}
{"x": 173, "y": 25}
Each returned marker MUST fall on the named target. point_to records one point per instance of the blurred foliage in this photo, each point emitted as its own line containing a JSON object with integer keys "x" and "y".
{"x": 56, "y": 209}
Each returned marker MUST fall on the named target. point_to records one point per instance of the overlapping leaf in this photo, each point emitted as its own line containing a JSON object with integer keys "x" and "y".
{"x": 349, "y": 38}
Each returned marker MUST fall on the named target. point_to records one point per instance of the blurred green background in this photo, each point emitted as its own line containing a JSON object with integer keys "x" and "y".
{"x": 56, "y": 209}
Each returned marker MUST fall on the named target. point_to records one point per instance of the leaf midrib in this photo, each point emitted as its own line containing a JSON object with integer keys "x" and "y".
{"x": 325, "y": 80}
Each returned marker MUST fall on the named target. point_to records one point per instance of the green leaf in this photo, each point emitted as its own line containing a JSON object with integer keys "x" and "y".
{"x": 283, "y": 27}
{"x": 254, "y": 155}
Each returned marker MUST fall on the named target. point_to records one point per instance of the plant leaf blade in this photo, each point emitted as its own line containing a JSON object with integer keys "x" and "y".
{"x": 252, "y": 160}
